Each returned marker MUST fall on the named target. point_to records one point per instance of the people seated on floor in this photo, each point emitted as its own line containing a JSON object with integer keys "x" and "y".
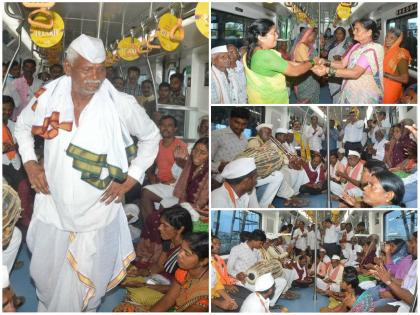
{"x": 333, "y": 277}
{"x": 323, "y": 263}
{"x": 227, "y": 292}
{"x": 350, "y": 251}
{"x": 300, "y": 267}
{"x": 260, "y": 300}
{"x": 148, "y": 282}
{"x": 316, "y": 174}
{"x": 189, "y": 292}
{"x": 238, "y": 189}
{"x": 190, "y": 191}
{"x": 244, "y": 256}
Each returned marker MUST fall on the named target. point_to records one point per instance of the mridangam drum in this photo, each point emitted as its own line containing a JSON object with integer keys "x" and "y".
{"x": 262, "y": 267}
{"x": 267, "y": 160}
{"x": 11, "y": 213}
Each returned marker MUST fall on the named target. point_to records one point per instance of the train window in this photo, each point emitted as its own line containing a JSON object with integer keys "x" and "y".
{"x": 227, "y": 225}
{"x": 399, "y": 224}
{"x": 228, "y": 28}
{"x": 214, "y": 26}
{"x": 407, "y": 24}
{"x": 220, "y": 116}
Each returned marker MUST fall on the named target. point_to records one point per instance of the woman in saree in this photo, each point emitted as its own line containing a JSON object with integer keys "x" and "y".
{"x": 306, "y": 86}
{"x": 146, "y": 284}
{"x": 265, "y": 68}
{"x": 361, "y": 68}
{"x": 383, "y": 190}
{"x": 190, "y": 290}
{"x": 191, "y": 191}
{"x": 336, "y": 53}
{"x": 396, "y": 63}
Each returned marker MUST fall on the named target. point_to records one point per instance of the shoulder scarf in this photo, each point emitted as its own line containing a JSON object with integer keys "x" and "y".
{"x": 354, "y": 174}
{"x": 101, "y": 147}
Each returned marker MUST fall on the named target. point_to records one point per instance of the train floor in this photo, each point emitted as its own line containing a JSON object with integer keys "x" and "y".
{"x": 23, "y": 286}
{"x": 314, "y": 201}
{"x": 304, "y": 304}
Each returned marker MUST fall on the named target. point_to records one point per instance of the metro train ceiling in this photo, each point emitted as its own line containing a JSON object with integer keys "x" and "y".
{"x": 82, "y": 17}
{"x": 328, "y": 9}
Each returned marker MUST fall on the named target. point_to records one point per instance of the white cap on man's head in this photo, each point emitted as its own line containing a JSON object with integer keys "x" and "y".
{"x": 90, "y": 48}
{"x": 264, "y": 282}
{"x": 341, "y": 150}
{"x": 5, "y": 275}
{"x": 238, "y": 168}
{"x": 335, "y": 257}
{"x": 322, "y": 250}
{"x": 281, "y": 130}
{"x": 355, "y": 153}
{"x": 264, "y": 125}
{"x": 219, "y": 49}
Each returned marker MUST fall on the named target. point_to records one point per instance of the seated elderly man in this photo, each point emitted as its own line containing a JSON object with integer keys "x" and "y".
{"x": 259, "y": 301}
{"x": 275, "y": 183}
{"x": 292, "y": 170}
{"x": 238, "y": 189}
{"x": 351, "y": 178}
{"x": 244, "y": 256}
{"x": 350, "y": 252}
{"x": 316, "y": 174}
{"x": 224, "y": 84}
{"x": 333, "y": 277}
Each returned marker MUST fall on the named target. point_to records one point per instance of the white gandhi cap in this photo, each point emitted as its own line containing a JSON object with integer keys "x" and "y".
{"x": 281, "y": 130}
{"x": 264, "y": 282}
{"x": 238, "y": 168}
{"x": 355, "y": 153}
{"x": 90, "y": 48}
{"x": 264, "y": 125}
{"x": 219, "y": 49}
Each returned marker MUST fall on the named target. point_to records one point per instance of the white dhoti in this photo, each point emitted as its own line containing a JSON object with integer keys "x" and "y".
{"x": 81, "y": 246}
{"x": 161, "y": 190}
{"x": 296, "y": 178}
{"x": 321, "y": 284}
{"x": 273, "y": 182}
{"x": 10, "y": 253}
{"x": 81, "y": 267}
{"x": 280, "y": 284}
{"x": 289, "y": 275}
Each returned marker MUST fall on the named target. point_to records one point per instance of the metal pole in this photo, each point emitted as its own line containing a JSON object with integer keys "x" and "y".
{"x": 319, "y": 29}
{"x": 19, "y": 31}
{"x": 316, "y": 250}
{"x": 100, "y": 18}
{"x": 328, "y": 159}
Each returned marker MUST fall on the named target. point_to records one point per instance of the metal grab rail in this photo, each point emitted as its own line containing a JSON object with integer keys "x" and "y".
{"x": 19, "y": 32}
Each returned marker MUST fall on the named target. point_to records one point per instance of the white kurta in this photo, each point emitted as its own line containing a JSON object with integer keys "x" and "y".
{"x": 79, "y": 245}
{"x": 220, "y": 199}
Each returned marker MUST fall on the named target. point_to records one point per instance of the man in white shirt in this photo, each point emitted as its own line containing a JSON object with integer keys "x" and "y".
{"x": 342, "y": 157}
{"x": 331, "y": 232}
{"x": 350, "y": 252}
{"x": 259, "y": 301}
{"x": 383, "y": 123}
{"x": 353, "y": 133}
{"x": 378, "y": 151}
{"x": 244, "y": 256}
{"x": 228, "y": 142}
{"x": 314, "y": 135}
{"x": 238, "y": 189}
{"x": 299, "y": 236}
{"x": 311, "y": 240}
{"x": 224, "y": 87}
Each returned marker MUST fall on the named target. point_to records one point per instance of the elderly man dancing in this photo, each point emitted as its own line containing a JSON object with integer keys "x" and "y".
{"x": 79, "y": 236}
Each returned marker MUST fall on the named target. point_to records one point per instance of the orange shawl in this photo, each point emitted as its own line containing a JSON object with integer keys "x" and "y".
{"x": 7, "y": 138}
{"x": 393, "y": 90}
